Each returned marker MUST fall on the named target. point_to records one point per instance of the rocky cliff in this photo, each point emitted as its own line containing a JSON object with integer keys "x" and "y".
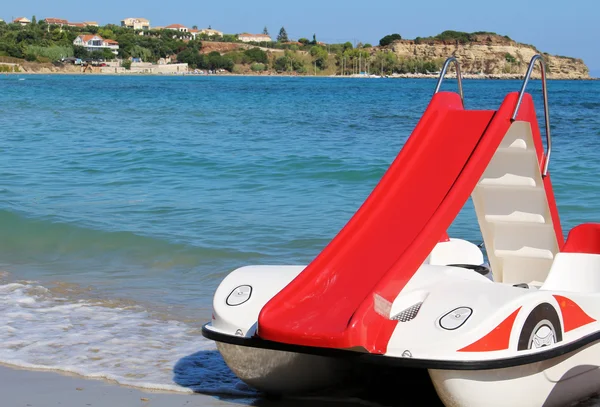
{"x": 490, "y": 54}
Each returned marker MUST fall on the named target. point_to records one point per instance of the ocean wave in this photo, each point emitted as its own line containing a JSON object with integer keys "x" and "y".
{"x": 124, "y": 344}
{"x": 22, "y": 237}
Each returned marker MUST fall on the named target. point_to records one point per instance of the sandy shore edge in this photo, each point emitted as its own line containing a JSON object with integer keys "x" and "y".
{"x": 30, "y": 388}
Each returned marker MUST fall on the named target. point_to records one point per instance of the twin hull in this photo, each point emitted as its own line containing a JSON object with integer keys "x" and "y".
{"x": 280, "y": 369}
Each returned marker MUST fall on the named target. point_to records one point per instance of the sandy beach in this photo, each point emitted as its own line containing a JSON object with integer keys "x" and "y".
{"x": 24, "y": 388}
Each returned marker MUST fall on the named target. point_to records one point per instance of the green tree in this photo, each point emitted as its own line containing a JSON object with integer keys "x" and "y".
{"x": 126, "y": 64}
{"x": 289, "y": 62}
{"x": 265, "y": 31}
{"x": 194, "y": 27}
{"x": 388, "y": 39}
{"x": 385, "y": 62}
{"x": 256, "y": 55}
{"x": 282, "y": 37}
{"x": 303, "y": 41}
{"x": 320, "y": 56}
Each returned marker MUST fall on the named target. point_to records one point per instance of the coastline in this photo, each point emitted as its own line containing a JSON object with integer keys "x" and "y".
{"x": 36, "y": 388}
{"x": 276, "y": 75}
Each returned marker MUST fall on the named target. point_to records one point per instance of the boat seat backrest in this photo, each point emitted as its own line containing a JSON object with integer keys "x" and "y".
{"x": 577, "y": 267}
{"x": 574, "y": 272}
{"x": 584, "y": 238}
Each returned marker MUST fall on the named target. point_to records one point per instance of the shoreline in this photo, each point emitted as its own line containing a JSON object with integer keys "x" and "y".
{"x": 276, "y": 75}
{"x": 36, "y": 388}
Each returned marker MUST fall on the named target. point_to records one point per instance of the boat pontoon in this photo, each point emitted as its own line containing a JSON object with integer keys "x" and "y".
{"x": 392, "y": 289}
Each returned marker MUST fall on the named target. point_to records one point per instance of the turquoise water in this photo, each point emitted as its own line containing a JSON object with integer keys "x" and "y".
{"x": 135, "y": 196}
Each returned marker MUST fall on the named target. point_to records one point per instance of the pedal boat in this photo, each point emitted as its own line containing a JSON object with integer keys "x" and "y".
{"x": 516, "y": 327}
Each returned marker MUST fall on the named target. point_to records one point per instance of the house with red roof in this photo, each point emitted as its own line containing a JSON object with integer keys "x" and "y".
{"x": 94, "y": 42}
{"x": 22, "y": 20}
{"x": 178, "y": 27}
{"x": 56, "y": 21}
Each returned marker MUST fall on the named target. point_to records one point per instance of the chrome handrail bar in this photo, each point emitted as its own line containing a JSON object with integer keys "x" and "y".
{"x": 458, "y": 77}
{"x": 535, "y": 58}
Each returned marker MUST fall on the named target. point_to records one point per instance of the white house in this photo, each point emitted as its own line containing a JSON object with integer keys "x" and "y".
{"x": 254, "y": 37}
{"x": 96, "y": 43}
{"x": 177, "y": 27}
{"x": 136, "y": 23}
{"x": 206, "y": 31}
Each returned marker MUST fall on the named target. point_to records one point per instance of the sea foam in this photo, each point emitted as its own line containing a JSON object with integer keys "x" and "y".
{"x": 125, "y": 344}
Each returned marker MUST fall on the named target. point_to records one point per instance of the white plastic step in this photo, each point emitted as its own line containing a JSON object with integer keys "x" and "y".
{"x": 525, "y": 240}
{"x": 516, "y": 144}
{"x": 528, "y": 205}
{"x": 512, "y": 169}
{"x": 525, "y": 270}
{"x": 509, "y": 180}
{"x": 518, "y": 136}
{"x": 516, "y": 217}
{"x": 525, "y": 251}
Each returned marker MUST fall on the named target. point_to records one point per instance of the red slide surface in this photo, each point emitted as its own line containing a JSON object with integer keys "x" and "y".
{"x": 332, "y": 303}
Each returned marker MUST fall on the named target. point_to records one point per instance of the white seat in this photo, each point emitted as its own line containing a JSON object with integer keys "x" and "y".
{"x": 575, "y": 272}
{"x": 455, "y": 251}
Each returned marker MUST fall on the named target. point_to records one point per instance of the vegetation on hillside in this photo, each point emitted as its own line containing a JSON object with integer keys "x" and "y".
{"x": 39, "y": 42}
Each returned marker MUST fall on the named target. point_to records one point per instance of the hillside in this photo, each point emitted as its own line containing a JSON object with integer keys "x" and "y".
{"x": 489, "y": 54}
{"x": 39, "y": 47}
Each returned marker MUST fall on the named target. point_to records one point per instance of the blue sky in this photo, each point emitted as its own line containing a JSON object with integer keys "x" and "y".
{"x": 559, "y": 27}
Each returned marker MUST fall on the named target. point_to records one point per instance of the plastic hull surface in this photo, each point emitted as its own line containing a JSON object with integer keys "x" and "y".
{"x": 279, "y": 372}
{"x": 555, "y": 382}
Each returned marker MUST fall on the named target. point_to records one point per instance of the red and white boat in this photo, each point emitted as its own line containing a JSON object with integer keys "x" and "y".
{"x": 392, "y": 289}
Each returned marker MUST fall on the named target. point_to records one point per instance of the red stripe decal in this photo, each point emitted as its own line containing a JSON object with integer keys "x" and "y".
{"x": 573, "y": 316}
{"x": 497, "y": 339}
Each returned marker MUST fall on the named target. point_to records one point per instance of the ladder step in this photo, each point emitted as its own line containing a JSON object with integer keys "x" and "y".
{"x": 526, "y": 252}
{"x": 516, "y": 217}
{"x": 534, "y": 240}
{"x": 509, "y": 180}
{"x": 504, "y": 204}
{"x": 512, "y": 167}
{"x": 515, "y": 149}
{"x": 519, "y": 135}
{"x": 518, "y": 143}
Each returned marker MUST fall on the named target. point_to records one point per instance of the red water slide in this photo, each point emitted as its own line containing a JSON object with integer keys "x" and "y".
{"x": 331, "y": 304}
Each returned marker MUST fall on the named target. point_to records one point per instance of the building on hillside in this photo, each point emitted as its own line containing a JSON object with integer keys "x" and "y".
{"x": 177, "y": 27}
{"x": 254, "y": 37}
{"x": 91, "y": 23}
{"x": 136, "y": 23}
{"x": 78, "y": 25}
{"x": 206, "y": 31}
{"x": 22, "y": 20}
{"x": 210, "y": 32}
{"x": 96, "y": 43}
{"x": 56, "y": 21}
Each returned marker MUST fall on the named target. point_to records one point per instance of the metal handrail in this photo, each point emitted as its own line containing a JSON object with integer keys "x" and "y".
{"x": 458, "y": 77}
{"x": 535, "y": 58}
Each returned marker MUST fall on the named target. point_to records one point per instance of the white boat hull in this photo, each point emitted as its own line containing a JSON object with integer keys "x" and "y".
{"x": 279, "y": 372}
{"x": 554, "y": 382}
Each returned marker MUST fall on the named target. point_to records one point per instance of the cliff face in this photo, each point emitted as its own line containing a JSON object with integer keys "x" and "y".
{"x": 491, "y": 55}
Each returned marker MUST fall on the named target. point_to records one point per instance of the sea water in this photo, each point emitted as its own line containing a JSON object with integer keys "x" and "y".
{"x": 124, "y": 201}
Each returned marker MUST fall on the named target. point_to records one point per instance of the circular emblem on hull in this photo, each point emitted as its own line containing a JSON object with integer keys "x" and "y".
{"x": 239, "y": 295}
{"x": 455, "y": 318}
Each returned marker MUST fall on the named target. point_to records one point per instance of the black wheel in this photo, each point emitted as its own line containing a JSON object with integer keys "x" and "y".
{"x": 541, "y": 328}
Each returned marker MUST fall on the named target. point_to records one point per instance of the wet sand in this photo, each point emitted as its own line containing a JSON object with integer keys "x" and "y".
{"x": 24, "y": 388}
